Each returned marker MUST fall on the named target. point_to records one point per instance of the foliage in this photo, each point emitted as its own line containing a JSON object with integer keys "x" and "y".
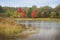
{"x": 1, "y": 9}
{"x": 29, "y": 12}
{"x": 22, "y": 12}
{"x": 52, "y": 14}
{"x": 34, "y": 13}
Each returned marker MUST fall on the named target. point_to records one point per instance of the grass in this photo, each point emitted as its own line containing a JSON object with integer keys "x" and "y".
{"x": 39, "y": 19}
{"x": 9, "y": 29}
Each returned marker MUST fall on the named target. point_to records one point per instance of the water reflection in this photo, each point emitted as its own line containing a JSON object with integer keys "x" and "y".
{"x": 48, "y": 29}
{"x": 40, "y": 24}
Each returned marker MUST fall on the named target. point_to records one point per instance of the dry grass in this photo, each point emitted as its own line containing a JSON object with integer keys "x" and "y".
{"x": 9, "y": 28}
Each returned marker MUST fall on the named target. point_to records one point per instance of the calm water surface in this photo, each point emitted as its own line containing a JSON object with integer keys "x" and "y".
{"x": 48, "y": 29}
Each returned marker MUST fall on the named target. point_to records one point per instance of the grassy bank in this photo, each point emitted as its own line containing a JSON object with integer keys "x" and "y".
{"x": 9, "y": 28}
{"x": 39, "y": 19}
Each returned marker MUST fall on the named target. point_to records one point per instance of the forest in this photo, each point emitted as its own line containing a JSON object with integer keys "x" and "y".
{"x": 30, "y": 12}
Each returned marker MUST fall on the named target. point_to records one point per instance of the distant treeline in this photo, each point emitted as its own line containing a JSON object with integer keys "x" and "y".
{"x": 30, "y": 12}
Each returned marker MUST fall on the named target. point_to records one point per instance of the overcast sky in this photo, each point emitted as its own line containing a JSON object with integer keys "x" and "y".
{"x": 29, "y": 3}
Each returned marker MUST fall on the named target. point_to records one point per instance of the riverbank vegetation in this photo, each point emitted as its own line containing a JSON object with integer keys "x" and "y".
{"x": 9, "y": 28}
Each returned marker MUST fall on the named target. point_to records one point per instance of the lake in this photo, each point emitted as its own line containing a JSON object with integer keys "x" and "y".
{"x": 48, "y": 29}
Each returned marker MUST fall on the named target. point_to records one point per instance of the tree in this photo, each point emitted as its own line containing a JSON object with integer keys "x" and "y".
{"x": 26, "y": 9}
{"x": 57, "y": 10}
{"x": 2, "y": 14}
{"x": 46, "y": 10}
{"x": 22, "y": 12}
{"x": 14, "y": 15}
{"x": 9, "y": 11}
{"x": 59, "y": 14}
{"x": 29, "y": 13}
{"x": 52, "y": 14}
{"x": 1, "y": 9}
{"x": 39, "y": 14}
{"x": 34, "y": 13}
{"x": 42, "y": 15}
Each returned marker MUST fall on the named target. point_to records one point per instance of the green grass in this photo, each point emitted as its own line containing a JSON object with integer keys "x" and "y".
{"x": 38, "y": 19}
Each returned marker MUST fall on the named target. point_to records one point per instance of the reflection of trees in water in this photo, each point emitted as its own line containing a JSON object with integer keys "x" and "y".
{"x": 45, "y": 25}
{"x": 29, "y": 25}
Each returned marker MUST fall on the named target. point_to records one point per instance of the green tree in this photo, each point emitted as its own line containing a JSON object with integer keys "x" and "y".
{"x": 52, "y": 14}
{"x": 57, "y": 10}
{"x": 9, "y": 11}
{"x": 46, "y": 10}
{"x": 59, "y": 14}
{"x": 29, "y": 13}
{"x": 39, "y": 14}
{"x": 26, "y": 9}
{"x": 2, "y": 12}
{"x": 1, "y": 9}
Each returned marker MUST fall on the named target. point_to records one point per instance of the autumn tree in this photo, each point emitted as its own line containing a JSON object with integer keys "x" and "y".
{"x": 34, "y": 13}
{"x": 21, "y": 12}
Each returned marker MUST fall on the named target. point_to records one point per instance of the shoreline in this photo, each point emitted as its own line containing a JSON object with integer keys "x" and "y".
{"x": 39, "y": 19}
{"x": 28, "y": 33}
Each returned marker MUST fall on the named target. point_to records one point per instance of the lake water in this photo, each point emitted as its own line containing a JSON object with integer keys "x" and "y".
{"x": 48, "y": 29}
{"x": 40, "y": 24}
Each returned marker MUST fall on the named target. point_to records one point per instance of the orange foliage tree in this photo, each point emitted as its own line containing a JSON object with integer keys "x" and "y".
{"x": 34, "y": 13}
{"x": 22, "y": 12}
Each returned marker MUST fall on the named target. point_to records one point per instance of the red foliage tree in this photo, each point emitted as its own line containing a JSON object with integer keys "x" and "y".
{"x": 34, "y": 13}
{"x": 22, "y": 11}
